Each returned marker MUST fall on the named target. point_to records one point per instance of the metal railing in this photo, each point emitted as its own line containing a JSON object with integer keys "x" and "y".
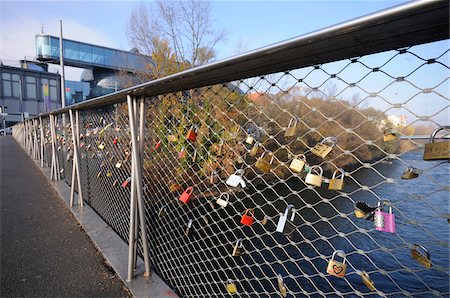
{"x": 261, "y": 175}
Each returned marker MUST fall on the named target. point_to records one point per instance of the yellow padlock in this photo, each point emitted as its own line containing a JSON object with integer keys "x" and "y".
{"x": 390, "y": 135}
{"x": 337, "y": 180}
{"x": 422, "y": 259}
{"x": 323, "y": 148}
{"x": 290, "y": 130}
{"x": 249, "y": 140}
{"x": 281, "y": 286}
{"x": 438, "y": 150}
{"x": 337, "y": 268}
{"x": 263, "y": 164}
{"x": 368, "y": 281}
{"x": 231, "y": 287}
{"x": 101, "y": 146}
{"x": 254, "y": 149}
{"x": 298, "y": 163}
{"x": 219, "y": 152}
{"x": 314, "y": 177}
{"x": 237, "y": 248}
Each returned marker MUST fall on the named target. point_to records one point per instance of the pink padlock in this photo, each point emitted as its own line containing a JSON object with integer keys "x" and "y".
{"x": 384, "y": 221}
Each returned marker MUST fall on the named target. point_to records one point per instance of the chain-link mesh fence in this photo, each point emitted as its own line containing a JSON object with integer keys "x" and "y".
{"x": 269, "y": 206}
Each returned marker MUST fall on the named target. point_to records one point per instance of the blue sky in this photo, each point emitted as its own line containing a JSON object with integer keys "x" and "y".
{"x": 251, "y": 24}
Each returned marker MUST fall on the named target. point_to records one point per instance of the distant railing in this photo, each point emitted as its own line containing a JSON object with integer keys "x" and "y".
{"x": 279, "y": 171}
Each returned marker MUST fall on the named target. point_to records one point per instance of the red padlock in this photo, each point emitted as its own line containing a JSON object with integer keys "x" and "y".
{"x": 192, "y": 133}
{"x": 186, "y": 195}
{"x": 248, "y": 219}
{"x": 115, "y": 141}
{"x": 126, "y": 182}
{"x": 157, "y": 145}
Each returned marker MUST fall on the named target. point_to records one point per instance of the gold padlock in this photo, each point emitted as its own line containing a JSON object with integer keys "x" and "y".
{"x": 298, "y": 163}
{"x": 264, "y": 220}
{"x": 108, "y": 174}
{"x": 290, "y": 130}
{"x": 411, "y": 173}
{"x": 322, "y": 149}
{"x": 337, "y": 268}
{"x": 219, "y": 152}
{"x": 101, "y": 146}
{"x": 337, "y": 180}
{"x": 231, "y": 287}
{"x": 237, "y": 248}
{"x": 438, "y": 150}
{"x": 422, "y": 259}
{"x": 390, "y": 135}
{"x": 254, "y": 149}
{"x": 162, "y": 212}
{"x": 314, "y": 177}
{"x": 263, "y": 164}
{"x": 367, "y": 281}
{"x": 250, "y": 139}
{"x": 281, "y": 286}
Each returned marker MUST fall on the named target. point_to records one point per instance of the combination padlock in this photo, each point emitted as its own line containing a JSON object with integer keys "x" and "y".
{"x": 254, "y": 149}
{"x": 411, "y": 173}
{"x": 337, "y": 180}
{"x": 236, "y": 179}
{"x": 422, "y": 259}
{"x": 323, "y": 148}
{"x": 186, "y": 195}
{"x": 248, "y": 218}
{"x": 298, "y": 163}
{"x": 438, "y": 150}
{"x": 281, "y": 286}
{"x": 284, "y": 217}
{"x": 192, "y": 133}
{"x": 223, "y": 201}
{"x": 389, "y": 135}
{"x": 237, "y": 248}
{"x": 384, "y": 221}
{"x": 337, "y": 268}
{"x": 368, "y": 281}
{"x": 314, "y": 177}
{"x": 290, "y": 130}
{"x": 126, "y": 183}
{"x": 263, "y": 164}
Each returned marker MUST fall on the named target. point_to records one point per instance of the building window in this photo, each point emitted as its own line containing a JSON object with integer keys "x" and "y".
{"x": 31, "y": 87}
{"x": 11, "y": 85}
{"x": 53, "y": 90}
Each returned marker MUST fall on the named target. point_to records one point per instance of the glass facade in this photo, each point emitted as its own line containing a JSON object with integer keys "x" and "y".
{"x": 80, "y": 54}
{"x": 11, "y": 85}
{"x": 30, "y": 87}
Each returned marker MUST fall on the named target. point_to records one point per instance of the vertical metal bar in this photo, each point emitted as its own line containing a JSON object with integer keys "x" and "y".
{"x": 131, "y": 237}
{"x": 74, "y": 167}
{"x": 77, "y": 152}
{"x": 52, "y": 166}
{"x": 42, "y": 141}
{"x": 58, "y": 176}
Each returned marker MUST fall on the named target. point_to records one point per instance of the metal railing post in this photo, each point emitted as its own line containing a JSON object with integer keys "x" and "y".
{"x": 42, "y": 141}
{"x": 75, "y": 164}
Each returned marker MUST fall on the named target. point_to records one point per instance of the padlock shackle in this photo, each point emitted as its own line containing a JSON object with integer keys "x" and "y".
{"x": 286, "y": 211}
{"x": 189, "y": 225}
{"x": 423, "y": 248}
{"x": 293, "y": 119}
{"x": 319, "y": 173}
{"x": 189, "y": 190}
{"x": 339, "y": 252}
{"x": 341, "y": 171}
{"x": 252, "y": 213}
{"x": 239, "y": 172}
{"x": 280, "y": 281}
{"x": 226, "y": 195}
{"x": 330, "y": 140}
{"x": 434, "y": 133}
{"x": 239, "y": 242}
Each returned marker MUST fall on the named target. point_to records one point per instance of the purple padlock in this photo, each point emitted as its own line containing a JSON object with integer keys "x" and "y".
{"x": 384, "y": 221}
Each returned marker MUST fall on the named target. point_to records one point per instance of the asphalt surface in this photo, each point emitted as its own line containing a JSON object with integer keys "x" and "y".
{"x": 44, "y": 252}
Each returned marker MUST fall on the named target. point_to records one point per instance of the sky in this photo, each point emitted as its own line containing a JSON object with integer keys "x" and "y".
{"x": 249, "y": 25}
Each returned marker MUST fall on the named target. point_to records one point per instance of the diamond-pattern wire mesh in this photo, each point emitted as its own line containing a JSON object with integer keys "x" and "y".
{"x": 350, "y": 100}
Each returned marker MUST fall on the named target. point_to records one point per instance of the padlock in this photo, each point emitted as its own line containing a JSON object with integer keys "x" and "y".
{"x": 389, "y": 135}
{"x": 237, "y": 248}
{"x": 186, "y": 195}
{"x": 174, "y": 187}
{"x": 101, "y": 146}
{"x": 284, "y": 217}
{"x": 314, "y": 177}
{"x": 322, "y": 149}
{"x": 298, "y": 163}
{"x": 263, "y": 164}
{"x": 162, "y": 212}
{"x": 248, "y": 217}
{"x": 438, "y": 150}
{"x": 118, "y": 164}
{"x": 115, "y": 183}
{"x": 254, "y": 149}
{"x": 223, "y": 201}
{"x": 362, "y": 210}
{"x": 264, "y": 220}
{"x": 213, "y": 178}
{"x": 172, "y": 138}
{"x": 290, "y": 130}
{"x": 59, "y": 148}
{"x": 158, "y": 144}
{"x": 194, "y": 156}
{"x": 205, "y": 219}
{"x": 337, "y": 180}
{"x": 219, "y": 152}
{"x": 127, "y": 156}
{"x": 126, "y": 182}
{"x": 115, "y": 141}
{"x": 281, "y": 286}
{"x": 99, "y": 174}
{"x": 250, "y": 139}
{"x": 108, "y": 174}
{"x": 411, "y": 173}
{"x": 68, "y": 157}
{"x": 337, "y": 268}
{"x": 188, "y": 228}
{"x": 182, "y": 153}
{"x": 231, "y": 287}
{"x": 237, "y": 178}
{"x": 422, "y": 259}
{"x": 368, "y": 281}
{"x": 192, "y": 133}
{"x": 384, "y": 222}
{"x": 62, "y": 170}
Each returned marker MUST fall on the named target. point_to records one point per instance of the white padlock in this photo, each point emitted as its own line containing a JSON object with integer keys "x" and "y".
{"x": 223, "y": 202}
{"x": 237, "y": 178}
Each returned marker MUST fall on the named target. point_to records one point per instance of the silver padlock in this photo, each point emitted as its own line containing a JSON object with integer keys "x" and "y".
{"x": 283, "y": 218}
{"x": 189, "y": 225}
{"x": 237, "y": 178}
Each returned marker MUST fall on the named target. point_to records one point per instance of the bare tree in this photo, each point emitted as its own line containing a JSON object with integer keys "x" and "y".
{"x": 178, "y": 29}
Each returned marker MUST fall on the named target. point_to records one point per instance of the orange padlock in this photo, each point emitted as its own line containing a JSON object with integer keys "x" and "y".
{"x": 192, "y": 133}
{"x": 186, "y": 195}
{"x": 248, "y": 218}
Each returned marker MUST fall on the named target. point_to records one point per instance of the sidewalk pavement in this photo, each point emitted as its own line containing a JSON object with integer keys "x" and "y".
{"x": 44, "y": 252}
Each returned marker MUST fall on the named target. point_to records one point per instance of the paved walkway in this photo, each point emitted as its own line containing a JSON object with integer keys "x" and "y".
{"x": 43, "y": 250}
